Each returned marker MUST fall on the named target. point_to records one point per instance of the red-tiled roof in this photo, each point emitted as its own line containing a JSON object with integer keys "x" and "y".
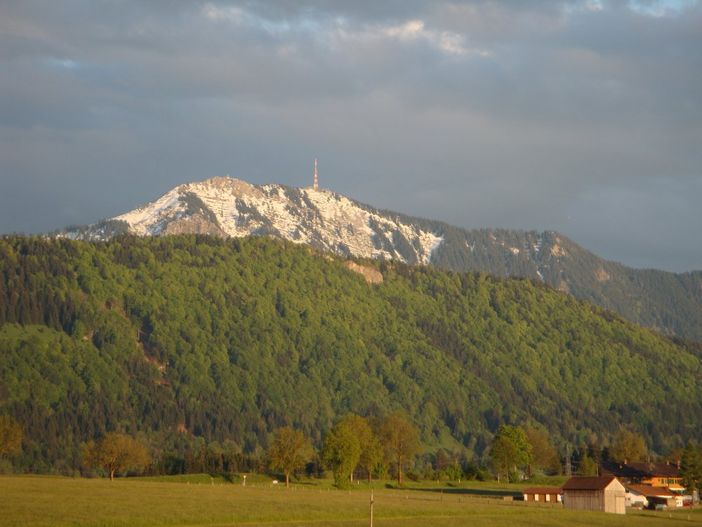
{"x": 543, "y": 490}
{"x": 649, "y": 491}
{"x": 588, "y": 482}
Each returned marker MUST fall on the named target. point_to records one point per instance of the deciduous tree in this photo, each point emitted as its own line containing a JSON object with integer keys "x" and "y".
{"x": 400, "y": 440}
{"x": 587, "y": 466}
{"x": 342, "y": 451}
{"x": 339, "y": 448}
{"x": 371, "y": 449}
{"x": 510, "y": 451}
{"x": 116, "y": 452}
{"x": 289, "y": 451}
{"x": 543, "y": 454}
{"x": 628, "y": 446}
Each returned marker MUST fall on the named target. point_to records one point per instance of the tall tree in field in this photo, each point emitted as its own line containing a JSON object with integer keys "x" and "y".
{"x": 510, "y": 451}
{"x": 543, "y": 454}
{"x": 10, "y": 437}
{"x": 340, "y": 448}
{"x": 116, "y": 453}
{"x": 628, "y": 446}
{"x": 400, "y": 440}
{"x": 289, "y": 451}
{"x": 342, "y": 451}
{"x": 371, "y": 449}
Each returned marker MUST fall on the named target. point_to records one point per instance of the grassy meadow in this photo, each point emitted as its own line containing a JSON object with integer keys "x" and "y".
{"x": 33, "y": 501}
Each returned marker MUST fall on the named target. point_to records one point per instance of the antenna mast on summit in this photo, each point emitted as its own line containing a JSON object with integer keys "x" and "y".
{"x": 315, "y": 186}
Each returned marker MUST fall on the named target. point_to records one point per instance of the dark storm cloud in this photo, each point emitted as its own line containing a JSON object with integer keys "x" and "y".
{"x": 583, "y": 116}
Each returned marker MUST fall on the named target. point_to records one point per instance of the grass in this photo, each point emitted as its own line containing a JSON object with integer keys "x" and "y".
{"x": 206, "y": 479}
{"x": 33, "y": 501}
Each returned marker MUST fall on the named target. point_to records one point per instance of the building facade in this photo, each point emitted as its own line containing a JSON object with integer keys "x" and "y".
{"x": 596, "y": 493}
{"x": 543, "y": 494}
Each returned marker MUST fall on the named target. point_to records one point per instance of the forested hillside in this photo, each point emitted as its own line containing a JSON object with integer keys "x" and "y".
{"x": 197, "y": 338}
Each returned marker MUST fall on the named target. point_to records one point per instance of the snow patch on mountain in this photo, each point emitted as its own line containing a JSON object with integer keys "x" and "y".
{"x": 320, "y": 218}
{"x": 149, "y": 219}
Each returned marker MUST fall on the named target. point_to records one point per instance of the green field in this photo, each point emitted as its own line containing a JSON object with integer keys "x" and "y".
{"x": 36, "y": 501}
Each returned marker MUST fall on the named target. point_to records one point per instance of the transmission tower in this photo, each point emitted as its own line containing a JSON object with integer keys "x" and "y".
{"x": 315, "y": 185}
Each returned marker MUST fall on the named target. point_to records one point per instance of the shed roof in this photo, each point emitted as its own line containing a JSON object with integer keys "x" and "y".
{"x": 649, "y": 491}
{"x": 588, "y": 482}
{"x": 543, "y": 490}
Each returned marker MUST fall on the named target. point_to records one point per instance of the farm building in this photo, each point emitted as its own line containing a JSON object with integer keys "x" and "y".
{"x": 654, "y": 495}
{"x": 594, "y": 493}
{"x": 543, "y": 494}
{"x": 636, "y": 497}
{"x": 655, "y": 474}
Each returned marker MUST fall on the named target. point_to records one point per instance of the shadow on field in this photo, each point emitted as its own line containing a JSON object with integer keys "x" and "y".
{"x": 485, "y": 493}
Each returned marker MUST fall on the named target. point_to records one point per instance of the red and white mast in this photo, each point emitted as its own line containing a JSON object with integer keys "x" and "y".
{"x": 315, "y": 186}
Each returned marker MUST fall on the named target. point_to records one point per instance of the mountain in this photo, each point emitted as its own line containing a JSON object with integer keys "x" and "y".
{"x": 671, "y": 303}
{"x": 195, "y": 342}
{"x": 230, "y": 207}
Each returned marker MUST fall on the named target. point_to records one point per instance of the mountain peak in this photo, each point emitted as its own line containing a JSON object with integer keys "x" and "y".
{"x": 226, "y": 206}
{"x": 222, "y": 183}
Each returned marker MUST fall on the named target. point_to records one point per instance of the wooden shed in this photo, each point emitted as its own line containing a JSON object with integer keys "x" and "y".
{"x": 543, "y": 494}
{"x": 596, "y": 493}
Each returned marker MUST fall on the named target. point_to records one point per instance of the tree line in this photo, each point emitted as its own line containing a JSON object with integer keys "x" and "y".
{"x": 374, "y": 448}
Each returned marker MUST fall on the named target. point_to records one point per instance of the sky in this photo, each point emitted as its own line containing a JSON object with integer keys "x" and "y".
{"x": 583, "y": 117}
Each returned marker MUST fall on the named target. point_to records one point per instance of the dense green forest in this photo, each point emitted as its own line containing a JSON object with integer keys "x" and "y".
{"x": 184, "y": 339}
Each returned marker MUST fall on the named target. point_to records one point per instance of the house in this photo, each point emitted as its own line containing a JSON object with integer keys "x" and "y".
{"x": 661, "y": 475}
{"x": 543, "y": 494}
{"x": 655, "y": 495}
{"x": 636, "y": 497}
{"x": 595, "y": 493}
{"x": 654, "y": 474}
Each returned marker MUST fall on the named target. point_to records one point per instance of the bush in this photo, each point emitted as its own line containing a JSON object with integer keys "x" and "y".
{"x": 412, "y": 475}
{"x": 474, "y": 472}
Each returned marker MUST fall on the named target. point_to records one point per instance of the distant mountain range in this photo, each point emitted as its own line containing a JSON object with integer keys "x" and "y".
{"x": 222, "y": 206}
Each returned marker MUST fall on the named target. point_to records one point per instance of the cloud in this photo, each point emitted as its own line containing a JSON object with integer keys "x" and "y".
{"x": 229, "y": 13}
{"x": 409, "y": 32}
{"x": 339, "y": 31}
{"x": 485, "y": 113}
{"x": 661, "y": 8}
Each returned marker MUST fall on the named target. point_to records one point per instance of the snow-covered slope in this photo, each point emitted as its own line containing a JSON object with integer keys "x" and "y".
{"x": 320, "y": 218}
